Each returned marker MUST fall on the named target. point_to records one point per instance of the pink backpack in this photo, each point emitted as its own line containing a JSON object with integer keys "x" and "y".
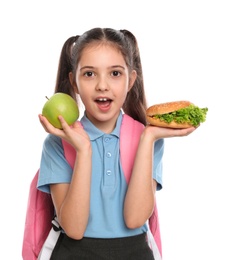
{"x": 40, "y": 209}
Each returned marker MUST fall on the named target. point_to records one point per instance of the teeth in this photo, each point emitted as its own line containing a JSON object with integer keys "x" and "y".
{"x": 102, "y": 99}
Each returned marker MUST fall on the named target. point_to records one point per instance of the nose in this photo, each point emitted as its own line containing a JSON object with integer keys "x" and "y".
{"x": 102, "y": 84}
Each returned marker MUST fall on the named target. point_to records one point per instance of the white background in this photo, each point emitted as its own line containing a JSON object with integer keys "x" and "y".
{"x": 183, "y": 48}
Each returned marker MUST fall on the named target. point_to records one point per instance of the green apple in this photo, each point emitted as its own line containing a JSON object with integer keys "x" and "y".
{"x": 60, "y": 104}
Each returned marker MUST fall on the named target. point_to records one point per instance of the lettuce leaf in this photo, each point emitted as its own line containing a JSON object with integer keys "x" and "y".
{"x": 191, "y": 114}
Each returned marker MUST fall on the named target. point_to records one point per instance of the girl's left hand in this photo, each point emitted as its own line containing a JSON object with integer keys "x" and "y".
{"x": 164, "y": 132}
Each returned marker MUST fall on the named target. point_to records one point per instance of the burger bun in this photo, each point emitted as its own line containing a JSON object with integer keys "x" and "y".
{"x": 165, "y": 108}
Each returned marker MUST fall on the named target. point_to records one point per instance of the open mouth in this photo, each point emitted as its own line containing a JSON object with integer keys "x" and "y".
{"x": 103, "y": 102}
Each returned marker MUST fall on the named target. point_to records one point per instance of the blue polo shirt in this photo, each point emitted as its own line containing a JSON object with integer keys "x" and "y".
{"x": 108, "y": 184}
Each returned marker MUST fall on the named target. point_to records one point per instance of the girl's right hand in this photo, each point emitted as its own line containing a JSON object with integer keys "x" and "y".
{"x": 74, "y": 134}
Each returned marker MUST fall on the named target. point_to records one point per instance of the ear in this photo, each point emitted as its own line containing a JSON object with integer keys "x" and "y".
{"x": 73, "y": 82}
{"x": 132, "y": 79}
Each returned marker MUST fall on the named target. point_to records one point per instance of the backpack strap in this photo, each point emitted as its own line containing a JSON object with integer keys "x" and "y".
{"x": 129, "y": 141}
{"x": 70, "y": 153}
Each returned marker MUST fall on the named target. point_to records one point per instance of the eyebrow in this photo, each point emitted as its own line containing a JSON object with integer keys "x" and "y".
{"x": 111, "y": 67}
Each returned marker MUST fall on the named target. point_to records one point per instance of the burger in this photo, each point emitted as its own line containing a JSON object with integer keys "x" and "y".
{"x": 176, "y": 114}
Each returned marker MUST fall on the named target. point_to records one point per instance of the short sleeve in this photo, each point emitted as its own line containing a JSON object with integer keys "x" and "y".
{"x": 54, "y": 168}
{"x": 158, "y": 162}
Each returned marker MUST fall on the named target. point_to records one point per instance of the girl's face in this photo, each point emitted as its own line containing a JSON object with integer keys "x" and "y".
{"x": 102, "y": 81}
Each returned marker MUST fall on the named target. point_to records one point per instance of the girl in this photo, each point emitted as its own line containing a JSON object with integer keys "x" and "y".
{"x": 102, "y": 216}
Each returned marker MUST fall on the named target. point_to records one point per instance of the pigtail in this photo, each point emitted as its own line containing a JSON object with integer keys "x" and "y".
{"x": 64, "y": 67}
{"x": 135, "y": 104}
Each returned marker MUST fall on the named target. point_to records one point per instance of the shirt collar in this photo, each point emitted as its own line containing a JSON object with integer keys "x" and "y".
{"x": 94, "y": 132}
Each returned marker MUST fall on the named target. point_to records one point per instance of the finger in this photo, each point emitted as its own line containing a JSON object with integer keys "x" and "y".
{"x": 184, "y": 132}
{"x": 49, "y": 128}
{"x": 64, "y": 124}
{"x": 42, "y": 121}
{"x": 77, "y": 124}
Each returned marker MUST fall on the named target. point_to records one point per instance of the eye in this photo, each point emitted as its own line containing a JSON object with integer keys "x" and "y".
{"x": 88, "y": 74}
{"x": 116, "y": 73}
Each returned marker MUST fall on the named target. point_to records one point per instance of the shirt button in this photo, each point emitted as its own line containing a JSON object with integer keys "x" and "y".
{"x": 108, "y": 172}
{"x": 106, "y": 139}
{"x": 108, "y": 154}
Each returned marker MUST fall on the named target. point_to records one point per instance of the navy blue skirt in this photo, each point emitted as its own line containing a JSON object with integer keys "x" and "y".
{"x": 127, "y": 248}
